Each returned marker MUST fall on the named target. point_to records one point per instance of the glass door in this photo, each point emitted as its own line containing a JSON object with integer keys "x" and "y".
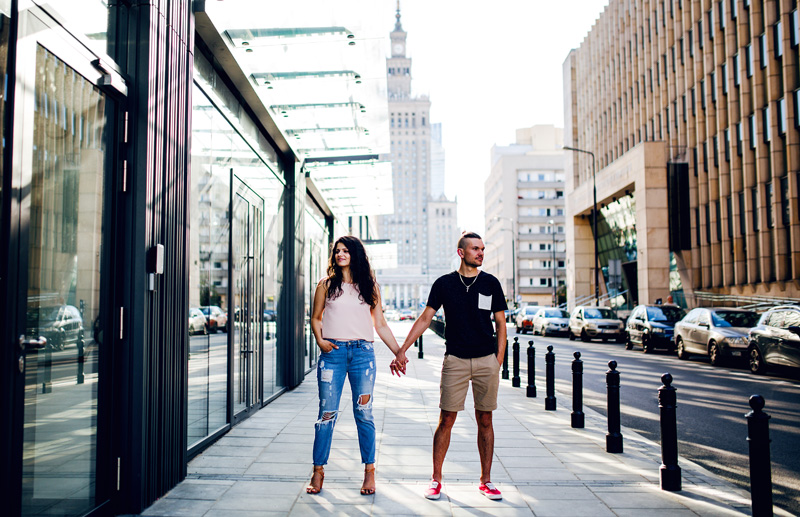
{"x": 247, "y": 284}
{"x": 63, "y": 136}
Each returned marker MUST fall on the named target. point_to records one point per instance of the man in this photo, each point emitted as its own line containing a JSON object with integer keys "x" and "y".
{"x": 469, "y": 297}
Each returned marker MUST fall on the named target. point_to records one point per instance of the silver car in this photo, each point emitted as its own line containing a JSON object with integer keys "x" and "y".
{"x": 551, "y": 321}
{"x": 717, "y": 333}
{"x": 590, "y": 323}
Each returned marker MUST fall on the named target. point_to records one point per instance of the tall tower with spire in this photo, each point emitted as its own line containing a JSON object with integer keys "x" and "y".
{"x": 419, "y": 224}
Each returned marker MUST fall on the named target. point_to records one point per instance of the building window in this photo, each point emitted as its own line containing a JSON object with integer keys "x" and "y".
{"x": 794, "y": 28}
{"x": 796, "y": 98}
{"x": 683, "y": 107}
{"x": 729, "y": 215}
{"x": 705, "y": 156}
{"x": 690, "y": 40}
{"x": 778, "y": 34}
{"x": 716, "y": 151}
{"x": 694, "y": 160}
{"x": 718, "y": 210}
{"x": 708, "y": 223}
{"x": 736, "y": 69}
{"x": 768, "y": 205}
{"x": 748, "y": 56}
{"x": 762, "y": 50}
{"x": 739, "y": 138}
{"x": 710, "y": 17}
{"x": 752, "y": 121}
{"x": 742, "y": 215}
{"x": 694, "y": 101}
{"x": 723, "y": 76}
{"x": 713, "y": 86}
{"x": 675, "y": 114}
{"x": 765, "y": 118}
{"x": 703, "y": 94}
{"x": 734, "y": 9}
{"x": 754, "y": 207}
{"x": 785, "y": 201}
{"x": 782, "y": 116}
{"x": 680, "y": 50}
{"x": 722, "y": 20}
{"x": 699, "y": 33}
{"x": 726, "y": 141}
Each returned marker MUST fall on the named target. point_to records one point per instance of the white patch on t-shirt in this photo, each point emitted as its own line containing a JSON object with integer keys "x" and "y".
{"x": 484, "y": 302}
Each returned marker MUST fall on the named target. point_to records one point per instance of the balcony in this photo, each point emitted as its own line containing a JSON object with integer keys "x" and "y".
{"x": 553, "y": 201}
{"x": 540, "y": 185}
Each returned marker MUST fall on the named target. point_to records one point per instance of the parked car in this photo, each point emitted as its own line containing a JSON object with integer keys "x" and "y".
{"x": 197, "y": 322}
{"x": 719, "y": 333}
{"x": 61, "y": 325}
{"x": 270, "y": 315}
{"x": 405, "y": 314}
{"x": 216, "y": 318}
{"x": 391, "y": 315}
{"x": 590, "y": 323}
{"x": 524, "y": 320}
{"x": 652, "y": 326}
{"x": 551, "y": 321}
{"x": 775, "y": 340}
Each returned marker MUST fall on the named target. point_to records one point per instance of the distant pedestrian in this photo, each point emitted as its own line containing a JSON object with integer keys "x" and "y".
{"x": 470, "y": 298}
{"x": 347, "y": 305}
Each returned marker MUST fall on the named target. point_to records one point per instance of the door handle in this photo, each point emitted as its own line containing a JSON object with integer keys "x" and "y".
{"x": 32, "y": 343}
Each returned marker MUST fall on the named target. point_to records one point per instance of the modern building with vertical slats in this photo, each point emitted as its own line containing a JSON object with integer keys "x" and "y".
{"x": 690, "y": 109}
{"x": 172, "y": 174}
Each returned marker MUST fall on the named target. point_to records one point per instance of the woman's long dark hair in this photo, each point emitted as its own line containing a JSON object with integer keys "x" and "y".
{"x": 360, "y": 270}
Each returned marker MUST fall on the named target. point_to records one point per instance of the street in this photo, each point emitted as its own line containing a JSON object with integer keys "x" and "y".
{"x": 712, "y": 402}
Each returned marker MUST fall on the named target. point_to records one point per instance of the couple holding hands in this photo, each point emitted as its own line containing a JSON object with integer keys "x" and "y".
{"x": 347, "y": 306}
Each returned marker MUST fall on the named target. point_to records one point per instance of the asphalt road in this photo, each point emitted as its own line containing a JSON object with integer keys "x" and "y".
{"x": 712, "y": 402}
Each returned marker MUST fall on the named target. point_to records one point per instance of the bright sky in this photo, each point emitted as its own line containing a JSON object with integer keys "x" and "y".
{"x": 489, "y": 68}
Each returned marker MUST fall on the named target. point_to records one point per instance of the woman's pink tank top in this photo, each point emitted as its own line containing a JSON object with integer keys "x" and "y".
{"x": 347, "y": 317}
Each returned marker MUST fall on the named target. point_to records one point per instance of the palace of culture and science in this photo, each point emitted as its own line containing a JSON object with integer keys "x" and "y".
{"x": 423, "y": 224}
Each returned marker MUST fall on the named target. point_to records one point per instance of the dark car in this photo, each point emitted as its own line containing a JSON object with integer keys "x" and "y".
{"x": 61, "y": 325}
{"x": 775, "y": 340}
{"x": 652, "y": 326}
{"x": 719, "y": 333}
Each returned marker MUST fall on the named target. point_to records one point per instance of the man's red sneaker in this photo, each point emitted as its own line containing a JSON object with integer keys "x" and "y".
{"x": 490, "y": 491}
{"x": 434, "y": 491}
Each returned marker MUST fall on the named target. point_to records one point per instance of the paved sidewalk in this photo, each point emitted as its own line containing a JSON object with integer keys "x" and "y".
{"x": 542, "y": 465}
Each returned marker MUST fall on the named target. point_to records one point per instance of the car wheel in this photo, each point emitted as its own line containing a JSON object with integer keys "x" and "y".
{"x": 713, "y": 354}
{"x": 647, "y": 347}
{"x": 585, "y": 337}
{"x": 571, "y": 335}
{"x": 519, "y": 330}
{"x": 682, "y": 353}
{"x": 757, "y": 364}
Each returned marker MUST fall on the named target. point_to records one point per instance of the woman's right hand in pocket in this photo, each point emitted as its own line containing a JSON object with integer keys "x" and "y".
{"x": 326, "y": 346}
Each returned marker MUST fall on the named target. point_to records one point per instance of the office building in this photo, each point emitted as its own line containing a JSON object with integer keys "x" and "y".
{"x": 524, "y": 211}
{"x": 690, "y": 111}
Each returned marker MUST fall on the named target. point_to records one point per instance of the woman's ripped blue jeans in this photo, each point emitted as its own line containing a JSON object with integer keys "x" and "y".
{"x": 356, "y": 361}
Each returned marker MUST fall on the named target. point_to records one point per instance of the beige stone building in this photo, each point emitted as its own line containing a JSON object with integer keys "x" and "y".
{"x": 690, "y": 109}
{"x": 524, "y": 211}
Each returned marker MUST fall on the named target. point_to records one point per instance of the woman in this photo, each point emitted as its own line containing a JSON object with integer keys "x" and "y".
{"x": 347, "y": 304}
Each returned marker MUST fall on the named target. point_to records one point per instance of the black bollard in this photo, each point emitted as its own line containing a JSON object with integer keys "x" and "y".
{"x": 420, "y": 355}
{"x": 670, "y": 472}
{"x": 577, "y": 415}
{"x": 614, "y": 436}
{"x": 531, "y": 391}
{"x": 81, "y": 359}
{"x": 760, "y": 464}
{"x": 550, "y": 381}
{"x": 505, "y": 363}
{"x": 515, "y": 379}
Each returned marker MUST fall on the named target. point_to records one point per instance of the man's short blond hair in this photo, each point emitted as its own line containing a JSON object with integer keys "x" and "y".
{"x": 462, "y": 242}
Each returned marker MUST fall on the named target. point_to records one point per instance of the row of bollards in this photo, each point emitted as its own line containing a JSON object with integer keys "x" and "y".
{"x": 669, "y": 472}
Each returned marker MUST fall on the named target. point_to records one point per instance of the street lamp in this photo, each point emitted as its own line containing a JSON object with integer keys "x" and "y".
{"x": 553, "y": 231}
{"x": 594, "y": 220}
{"x": 513, "y": 257}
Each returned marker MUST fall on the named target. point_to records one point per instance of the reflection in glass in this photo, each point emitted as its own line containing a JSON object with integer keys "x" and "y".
{"x": 66, "y": 195}
{"x": 86, "y": 17}
{"x": 617, "y": 250}
{"x": 316, "y": 265}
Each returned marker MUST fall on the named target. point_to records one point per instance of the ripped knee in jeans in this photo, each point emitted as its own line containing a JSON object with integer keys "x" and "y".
{"x": 327, "y": 417}
{"x": 364, "y": 402}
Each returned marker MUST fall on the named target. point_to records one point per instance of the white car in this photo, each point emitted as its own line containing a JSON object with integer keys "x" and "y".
{"x": 551, "y": 321}
{"x": 197, "y": 322}
{"x": 391, "y": 315}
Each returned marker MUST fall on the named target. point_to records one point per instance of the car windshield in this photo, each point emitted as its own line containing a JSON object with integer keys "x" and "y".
{"x": 734, "y": 319}
{"x": 205, "y": 310}
{"x": 43, "y": 314}
{"x": 594, "y": 313}
{"x": 531, "y": 310}
{"x": 668, "y": 314}
{"x": 556, "y": 313}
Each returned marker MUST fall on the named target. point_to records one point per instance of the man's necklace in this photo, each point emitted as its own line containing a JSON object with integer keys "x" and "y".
{"x": 465, "y": 284}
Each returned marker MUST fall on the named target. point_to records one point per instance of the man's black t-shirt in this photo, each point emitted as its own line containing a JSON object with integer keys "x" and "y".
{"x": 468, "y": 331}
